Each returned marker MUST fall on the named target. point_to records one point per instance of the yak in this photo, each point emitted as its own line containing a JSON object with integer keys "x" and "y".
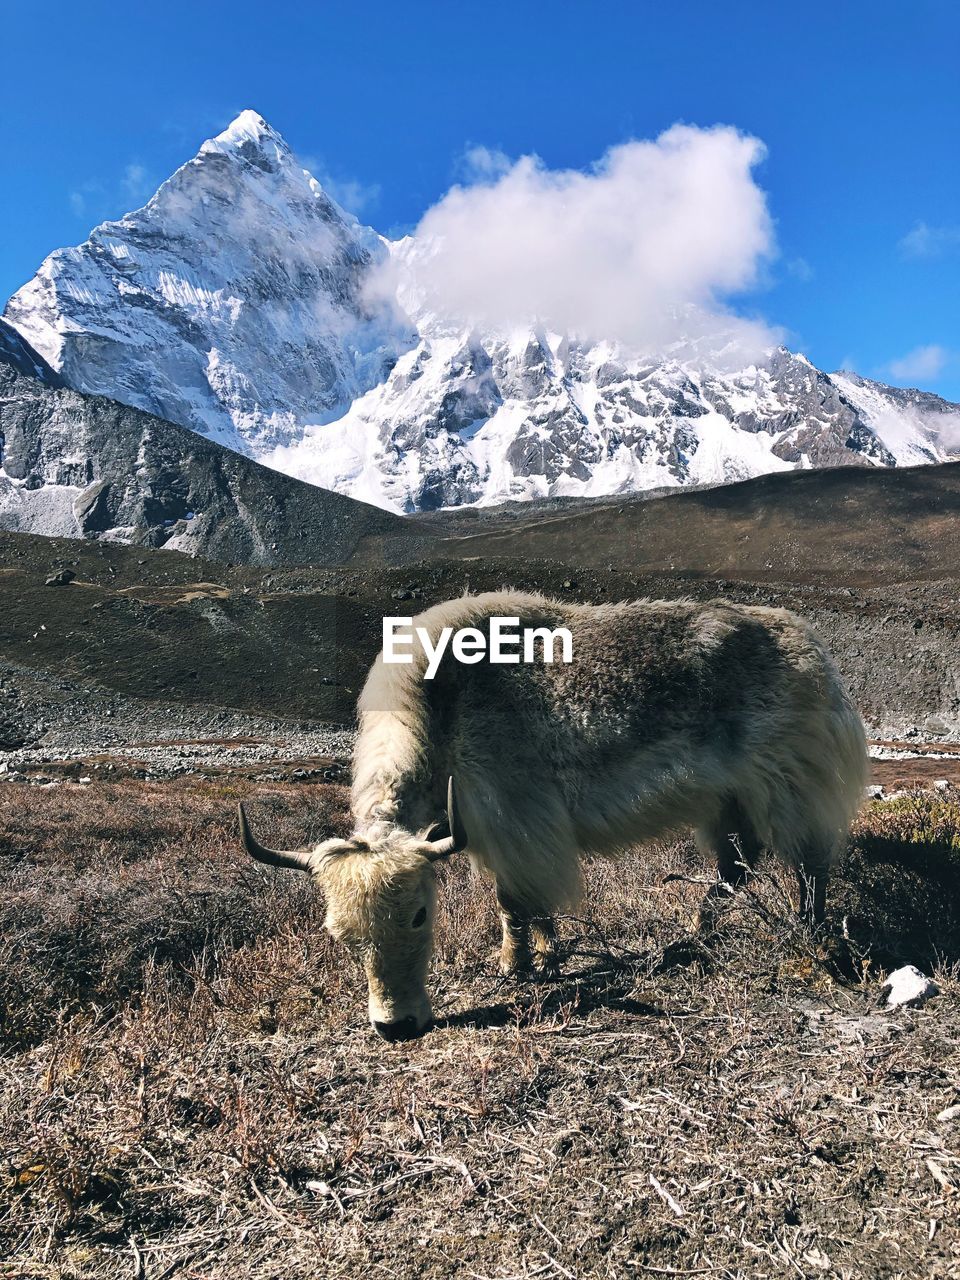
{"x": 729, "y": 719}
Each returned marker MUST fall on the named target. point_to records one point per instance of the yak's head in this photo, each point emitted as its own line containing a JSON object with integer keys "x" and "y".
{"x": 380, "y": 890}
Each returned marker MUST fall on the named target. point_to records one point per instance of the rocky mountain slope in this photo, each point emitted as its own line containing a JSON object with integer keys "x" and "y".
{"x": 240, "y": 302}
{"x": 297, "y": 641}
{"x": 74, "y": 465}
{"x": 848, "y": 526}
{"x": 17, "y": 355}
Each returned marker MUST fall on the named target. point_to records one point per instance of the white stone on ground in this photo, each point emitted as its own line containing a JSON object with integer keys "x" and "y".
{"x": 908, "y": 986}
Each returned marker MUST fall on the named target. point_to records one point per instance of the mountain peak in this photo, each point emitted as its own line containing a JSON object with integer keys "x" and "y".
{"x": 247, "y": 131}
{"x": 240, "y": 250}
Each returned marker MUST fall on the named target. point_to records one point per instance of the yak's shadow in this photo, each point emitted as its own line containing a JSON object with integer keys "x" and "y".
{"x": 608, "y": 983}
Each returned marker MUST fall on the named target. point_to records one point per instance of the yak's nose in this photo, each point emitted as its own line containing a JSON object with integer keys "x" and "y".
{"x": 402, "y": 1029}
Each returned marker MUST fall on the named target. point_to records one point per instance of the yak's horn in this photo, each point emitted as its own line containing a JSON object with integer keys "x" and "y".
{"x": 457, "y": 839}
{"x": 295, "y": 859}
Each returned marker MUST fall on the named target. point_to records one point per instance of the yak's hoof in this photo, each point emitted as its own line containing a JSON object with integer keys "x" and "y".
{"x": 538, "y": 966}
{"x": 516, "y": 966}
{"x": 546, "y": 964}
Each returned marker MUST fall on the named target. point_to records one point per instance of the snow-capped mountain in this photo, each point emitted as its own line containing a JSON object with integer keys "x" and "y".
{"x": 230, "y": 303}
{"x": 236, "y": 303}
{"x": 476, "y": 418}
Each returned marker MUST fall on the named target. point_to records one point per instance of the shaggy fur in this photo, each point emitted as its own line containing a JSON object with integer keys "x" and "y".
{"x": 672, "y": 714}
{"x": 728, "y": 719}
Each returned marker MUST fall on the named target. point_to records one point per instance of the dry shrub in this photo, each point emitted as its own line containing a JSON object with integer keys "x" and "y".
{"x": 100, "y": 885}
{"x": 897, "y": 894}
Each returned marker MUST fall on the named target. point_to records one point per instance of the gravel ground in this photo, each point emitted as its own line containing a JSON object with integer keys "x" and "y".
{"x": 62, "y": 722}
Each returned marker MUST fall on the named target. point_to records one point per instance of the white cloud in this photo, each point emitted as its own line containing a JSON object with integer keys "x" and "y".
{"x": 350, "y": 194}
{"x": 485, "y": 164}
{"x": 800, "y": 269}
{"x": 95, "y": 201}
{"x": 922, "y": 363}
{"x": 645, "y": 248}
{"x": 924, "y": 241}
{"x": 136, "y": 183}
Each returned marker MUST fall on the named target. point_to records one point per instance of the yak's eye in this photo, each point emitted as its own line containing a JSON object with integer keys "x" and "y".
{"x": 419, "y": 918}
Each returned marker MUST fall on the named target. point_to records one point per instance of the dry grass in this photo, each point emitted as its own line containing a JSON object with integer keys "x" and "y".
{"x": 187, "y": 1087}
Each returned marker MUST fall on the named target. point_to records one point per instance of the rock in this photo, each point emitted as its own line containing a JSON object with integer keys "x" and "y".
{"x": 941, "y": 784}
{"x": 908, "y": 986}
{"x": 874, "y": 792}
{"x": 60, "y": 579}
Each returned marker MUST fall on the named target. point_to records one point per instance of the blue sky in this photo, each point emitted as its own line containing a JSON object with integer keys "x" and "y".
{"x": 858, "y": 105}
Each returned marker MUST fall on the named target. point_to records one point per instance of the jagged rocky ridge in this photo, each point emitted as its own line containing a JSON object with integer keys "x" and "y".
{"x": 75, "y": 465}
{"x": 236, "y": 303}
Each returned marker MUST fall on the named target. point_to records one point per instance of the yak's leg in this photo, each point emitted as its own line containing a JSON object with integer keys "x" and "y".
{"x": 730, "y": 839}
{"x": 544, "y": 932}
{"x": 812, "y": 876}
{"x": 515, "y": 953}
{"x": 529, "y": 941}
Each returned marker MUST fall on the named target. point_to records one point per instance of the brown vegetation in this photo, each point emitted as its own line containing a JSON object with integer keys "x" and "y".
{"x": 187, "y": 1086}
